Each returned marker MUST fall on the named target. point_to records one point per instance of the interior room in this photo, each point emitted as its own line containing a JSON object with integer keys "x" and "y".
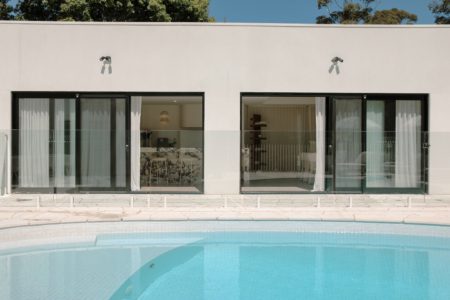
{"x": 280, "y": 136}
{"x": 171, "y": 143}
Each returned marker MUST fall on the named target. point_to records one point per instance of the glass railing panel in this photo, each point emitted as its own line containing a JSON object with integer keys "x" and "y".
{"x": 171, "y": 161}
{"x": 3, "y": 162}
{"x": 283, "y": 162}
{"x": 67, "y": 161}
{"x": 347, "y": 161}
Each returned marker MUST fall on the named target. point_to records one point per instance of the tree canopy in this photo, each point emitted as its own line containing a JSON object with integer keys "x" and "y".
{"x": 441, "y": 11}
{"x": 361, "y": 11}
{"x": 108, "y": 10}
{"x": 6, "y": 10}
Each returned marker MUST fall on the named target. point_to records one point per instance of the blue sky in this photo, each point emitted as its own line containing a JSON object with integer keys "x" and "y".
{"x": 298, "y": 11}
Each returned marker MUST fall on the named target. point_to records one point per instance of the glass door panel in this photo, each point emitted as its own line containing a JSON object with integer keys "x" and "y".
{"x": 393, "y": 139}
{"x": 63, "y": 143}
{"x": 103, "y": 142}
{"x": 408, "y": 123}
{"x": 347, "y": 142}
{"x": 380, "y": 147}
{"x": 33, "y": 143}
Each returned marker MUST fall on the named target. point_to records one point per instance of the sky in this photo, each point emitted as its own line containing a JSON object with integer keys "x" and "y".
{"x": 298, "y": 11}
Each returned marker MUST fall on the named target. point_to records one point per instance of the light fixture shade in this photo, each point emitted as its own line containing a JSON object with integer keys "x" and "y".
{"x": 164, "y": 117}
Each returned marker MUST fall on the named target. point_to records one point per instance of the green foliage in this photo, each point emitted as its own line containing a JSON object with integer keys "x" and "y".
{"x": 392, "y": 16}
{"x": 441, "y": 11}
{"x": 113, "y": 10}
{"x": 361, "y": 12}
{"x": 6, "y": 10}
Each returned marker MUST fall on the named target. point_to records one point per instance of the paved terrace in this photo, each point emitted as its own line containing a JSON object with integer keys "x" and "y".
{"x": 23, "y": 210}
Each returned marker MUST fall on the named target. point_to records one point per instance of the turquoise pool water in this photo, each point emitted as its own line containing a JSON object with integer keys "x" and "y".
{"x": 232, "y": 265}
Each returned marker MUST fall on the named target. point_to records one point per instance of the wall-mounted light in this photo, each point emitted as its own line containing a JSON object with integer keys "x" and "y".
{"x": 106, "y": 60}
{"x": 335, "y": 60}
{"x": 164, "y": 117}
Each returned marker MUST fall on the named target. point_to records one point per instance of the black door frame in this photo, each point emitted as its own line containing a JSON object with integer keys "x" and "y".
{"x": 98, "y": 94}
{"x": 330, "y": 134}
{"x": 113, "y": 97}
{"x": 77, "y": 96}
{"x": 423, "y": 144}
{"x": 332, "y": 101}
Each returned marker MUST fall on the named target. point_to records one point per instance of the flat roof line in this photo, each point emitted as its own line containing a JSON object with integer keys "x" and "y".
{"x": 214, "y": 24}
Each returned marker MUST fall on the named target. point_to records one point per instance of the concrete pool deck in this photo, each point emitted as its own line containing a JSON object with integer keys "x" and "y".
{"x": 25, "y": 210}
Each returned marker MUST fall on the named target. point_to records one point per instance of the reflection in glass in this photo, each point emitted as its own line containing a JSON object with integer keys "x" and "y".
{"x": 349, "y": 157}
{"x": 408, "y": 143}
{"x": 283, "y": 144}
{"x": 393, "y": 144}
{"x": 64, "y": 143}
{"x": 103, "y": 143}
{"x": 167, "y": 144}
{"x": 46, "y": 143}
{"x": 34, "y": 137}
{"x": 378, "y": 148}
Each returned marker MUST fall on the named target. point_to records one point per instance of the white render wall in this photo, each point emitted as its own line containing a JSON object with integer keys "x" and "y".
{"x": 223, "y": 60}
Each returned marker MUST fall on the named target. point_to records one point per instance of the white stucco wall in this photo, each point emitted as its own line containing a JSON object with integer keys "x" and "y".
{"x": 223, "y": 60}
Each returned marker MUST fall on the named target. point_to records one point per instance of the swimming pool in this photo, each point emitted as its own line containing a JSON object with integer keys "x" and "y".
{"x": 226, "y": 260}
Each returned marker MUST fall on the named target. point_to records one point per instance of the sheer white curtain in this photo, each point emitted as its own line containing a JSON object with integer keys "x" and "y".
{"x": 3, "y": 162}
{"x": 121, "y": 151}
{"x": 407, "y": 143}
{"x": 64, "y": 137}
{"x": 95, "y": 142}
{"x": 348, "y": 143}
{"x": 136, "y": 105}
{"x": 375, "y": 144}
{"x": 34, "y": 124}
{"x": 319, "y": 178}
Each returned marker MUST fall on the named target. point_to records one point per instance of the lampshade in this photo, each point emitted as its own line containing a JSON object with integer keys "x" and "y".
{"x": 164, "y": 117}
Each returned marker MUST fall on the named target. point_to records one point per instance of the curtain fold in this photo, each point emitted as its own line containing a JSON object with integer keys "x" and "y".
{"x": 348, "y": 143}
{"x": 34, "y": 124}
{"x": 375, "y": 175}
{"x": 319, "y": 178}
{"x": 136, "y": 105}
{"x": 95, "y": 143}
{"x": 3, "y": 162}
{"x": 64, "y": 143}
{"x": 407, "y": 143}
{"x": 121, "y": 142}
{"x": 58, "y": 133}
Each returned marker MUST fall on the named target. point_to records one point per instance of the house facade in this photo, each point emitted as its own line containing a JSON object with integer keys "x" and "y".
{"x": 224, "y": 108}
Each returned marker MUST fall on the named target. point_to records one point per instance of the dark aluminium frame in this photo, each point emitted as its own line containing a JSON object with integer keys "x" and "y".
{"x": 86, "y": 95}
{"x": 330, "y": 140}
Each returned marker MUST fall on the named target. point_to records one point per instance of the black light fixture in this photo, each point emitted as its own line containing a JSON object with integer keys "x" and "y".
{"x": 106, "y": 61}
{"x": 335, "y": 60}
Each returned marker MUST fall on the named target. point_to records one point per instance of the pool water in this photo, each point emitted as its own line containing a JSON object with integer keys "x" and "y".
{"x": 232, "y": 265}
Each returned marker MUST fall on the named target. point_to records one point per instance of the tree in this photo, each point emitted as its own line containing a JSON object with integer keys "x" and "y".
{"x": 113, "y": 10}
{"x": 360, "y": 11}
{"x": 392, "y": 16}
{"x": 441, "y": 11}
{"x": 6, "y": 10}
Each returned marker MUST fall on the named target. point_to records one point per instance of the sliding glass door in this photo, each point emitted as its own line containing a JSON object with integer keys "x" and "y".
{"x": 348, "y": 155}
{"x": 64, "y": 143}
{"x": 45, "y": 143}
{"x": 378, "y": 144}
{"x": 395, "y": 143}
{"x": 103, "y": 143}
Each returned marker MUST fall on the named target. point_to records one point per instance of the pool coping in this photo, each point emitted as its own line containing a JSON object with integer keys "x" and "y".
{"x": 11, "y": 217}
